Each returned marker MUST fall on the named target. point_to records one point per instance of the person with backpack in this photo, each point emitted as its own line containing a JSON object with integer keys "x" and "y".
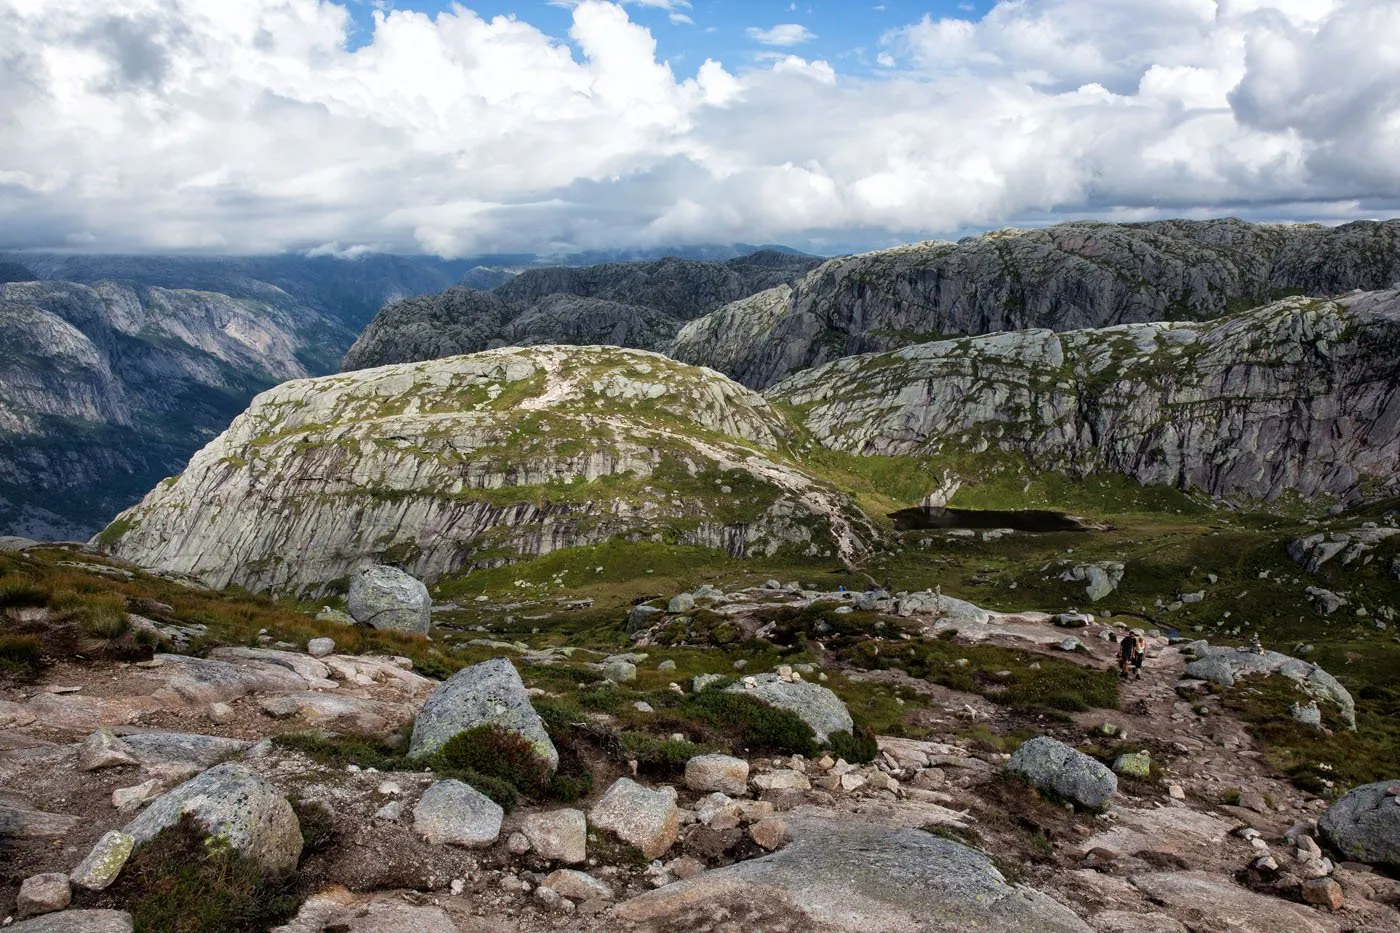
{"x": 1131, "y": 652}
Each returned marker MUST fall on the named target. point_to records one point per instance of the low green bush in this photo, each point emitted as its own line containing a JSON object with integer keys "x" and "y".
{"x": 750, "y": 724}
{"x": 657, "y": 755}
{"x": 17, "y": 592}
{"x": 183, "y": 881}
{"x": 20, "y": 654}
{"x": 857, "y": 748}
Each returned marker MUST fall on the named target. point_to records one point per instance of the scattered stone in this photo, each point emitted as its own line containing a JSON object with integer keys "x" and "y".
{"x": 453, "y": 813}
{"x": 681, "y": 603}
{"x": 517, "y": 844}
{"x": 102, "y": 749}
{"x": 619, "y": 671}
{"x": 578, "y": 885}
{"x": 666, "y": 666}
{"x": 327, "y": 614}
{"x": 1323, "y": 892}
{"x": 387, "y": 598}
{"x": 647, "y": 819}
{"x": 43, "y": 894}
{"x": 220, "y": 713}
{"x": 1099, "y": 579}
{"x": 320, "y": 647}
{"x": 489, "y": 692}
{"x": 769, "y": 834}
{"x": 558, "y": 835}
{"x": 782, "y": 780}
{"x": 105, "y": 861}
{"x": 1053, "y": 766}
{"x": 640, "y": 618}
{"x": 1136, "y": 765}
{"x": 723, "y": 773}
{"x": 131, "y": 799}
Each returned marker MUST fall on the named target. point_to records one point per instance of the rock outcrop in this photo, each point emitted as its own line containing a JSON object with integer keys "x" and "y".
{"x": 472, "y": 460}
{"x": 845, "y": 876}
{"x": 1302, "y": 395}
{"x": 107, "y": 388}
{"x": 1065, "y": 277}
{"x": 1225, "y": 666}
{"x": 636, "y": 304}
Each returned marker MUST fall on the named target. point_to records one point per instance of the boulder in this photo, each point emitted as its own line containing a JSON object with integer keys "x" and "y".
{"x": 815, "y": 705}
{"x": 43, "y": 894}
{"x": 578, "y": 886}
{"x": 453, "y": 813}
{"x": 647, "y": 819}
{"x": 320, "y": 647}
{"x": 723, "y": 773}
{"x": 849, "y": 876}
{"x": 76, "y": 921}
{"x": 1053, "y": 766}
{"x": 1364, "y": 825}
{"x": 558, "y": 836}
{"x": 386, "y": 597}
{"x": 641, "y": 617}
{"x": 619, "y": 670}
{"x": 1135, "y": 765}
{"x": 489, "y": 692}
{"x": 102, "y": 749}
{"x": 104, "y": 862}
{"x": 682, "y": 602}
{"x": 1099, "y": 579}
{"x": 236, "y": 804}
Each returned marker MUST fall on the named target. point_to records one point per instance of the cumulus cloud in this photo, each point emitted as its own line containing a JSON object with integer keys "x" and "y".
{"x": 783, "y": 34}
{"x": 254, "y": 126}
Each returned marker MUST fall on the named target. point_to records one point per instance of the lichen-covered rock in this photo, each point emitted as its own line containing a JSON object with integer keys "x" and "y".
{"x": 647, "y": 819}
{"x": 386, "y": 597}
{"x": 232, "y": 802}
{"x": 1135, "y": 765}
{"x": 453, "y": 813}
{"x": 1225, "y": 666}
{"x": 1053, "y": 766}
{"x": 487, "y": 693}
{"x": 815, "y": 705}
{"x": 848, "y": 876}
{"x": 558, "y": 835}
{"x": 104, "y": 862}
{"x": 1364, "y": 825}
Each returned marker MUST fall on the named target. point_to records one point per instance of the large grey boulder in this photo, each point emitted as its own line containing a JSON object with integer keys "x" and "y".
{"x": 1225, "y": 666}
{"x": 76, "y": 921}
{"x": 453, "y": 813}
{"x": 386, "y": 597}
{"x": 1364, "y": 825}
{"x": 641, "y": 817}
{"x": 1055, "y": 767}
{"x": 234, "y": 803}
{"x": 1099, "y": 579}
{"x": 815, "y": 705}
{"x": 490, "y": 692}
{"x": 846, "y": 876}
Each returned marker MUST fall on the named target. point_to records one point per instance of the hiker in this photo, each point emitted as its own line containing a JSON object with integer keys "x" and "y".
{"x": 1131, "y": 651}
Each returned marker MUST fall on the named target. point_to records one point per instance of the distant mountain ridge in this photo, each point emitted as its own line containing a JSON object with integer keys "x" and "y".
{"x": 1065, "y": 277}
{"x": 637, "y": 304}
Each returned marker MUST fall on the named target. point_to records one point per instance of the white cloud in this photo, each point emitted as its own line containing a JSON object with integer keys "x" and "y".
{"x": 250, "y": 126}
{"x": 782, "y": 35}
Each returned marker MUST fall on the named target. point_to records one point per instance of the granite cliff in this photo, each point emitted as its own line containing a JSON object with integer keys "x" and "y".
{"x": 1065, "y": 277}
{"x": 105, "y": 389}
{"x": 1302, "y": 396}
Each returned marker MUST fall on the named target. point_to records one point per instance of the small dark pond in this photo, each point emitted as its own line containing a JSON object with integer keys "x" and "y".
{"x": 1017, "y": 520}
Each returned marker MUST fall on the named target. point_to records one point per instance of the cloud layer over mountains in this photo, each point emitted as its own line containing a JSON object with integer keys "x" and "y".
{"x": 253, "y": 126}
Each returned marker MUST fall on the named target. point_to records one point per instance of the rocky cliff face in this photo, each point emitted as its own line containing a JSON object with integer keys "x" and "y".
{"x": 1065, "y": 277}
{"x": 105, "y": 389}
{"x": 639, "y": 304}
{"x": 1302, "y": 395}
{"x": 478, "y": 460}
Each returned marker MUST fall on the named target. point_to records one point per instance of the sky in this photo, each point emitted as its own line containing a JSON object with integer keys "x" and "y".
{"x": 486, "y": 126}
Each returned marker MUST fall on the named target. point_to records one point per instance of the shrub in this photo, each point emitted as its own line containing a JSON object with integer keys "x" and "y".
{"x": 751, "y": 724}
{"x": 856, "y": 749}
{"x": 183, "y": 881}
{"x": 340, "y": 750}
{"x": 20, "y": 592}
{"x": 317, "y": 821}
{"x": 494, "y": 752}
{"x": 20, "y": 653}
{"x": 657, "y": 755}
